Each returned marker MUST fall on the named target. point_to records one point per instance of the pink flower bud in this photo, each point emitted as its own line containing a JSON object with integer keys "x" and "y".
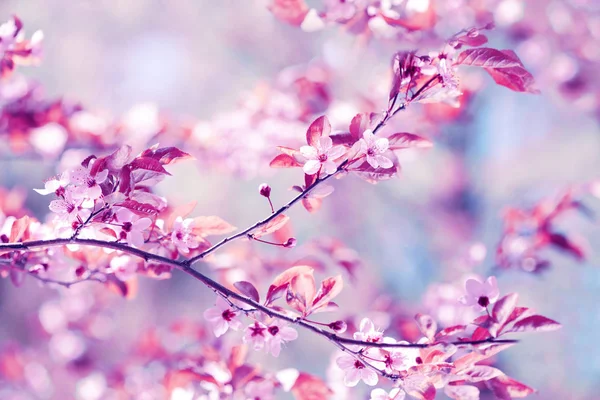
{"x": 265, "y": 190}
{"x": 291, "y": 242}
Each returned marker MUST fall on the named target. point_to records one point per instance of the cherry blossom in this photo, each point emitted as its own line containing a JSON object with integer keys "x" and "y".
{"x": 132, "y": 227}
{"x": 480, "y": 293}
{"x": 355, "y": 371}
{"x": 55, "y": 185}
{"x": 321, "y": 157}
{"x": 279, "y": 334}
{"x": 367, "y": 332}
{"x": 67, "y": 208}
{"x": 88, "y": 186}
{"x": 183, "y": 236}
{"x": 394, "y": 394}
{"x": 257, "y": 335}
{"x": 222, "y": 317}
{"x": 373, "y": 148}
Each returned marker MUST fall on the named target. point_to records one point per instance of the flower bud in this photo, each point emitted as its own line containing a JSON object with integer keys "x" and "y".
{"x": 291, "y": 242}
{"x": 265, "y": 190}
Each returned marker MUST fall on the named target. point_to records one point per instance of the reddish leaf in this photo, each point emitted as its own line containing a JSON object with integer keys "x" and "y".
{"x": 449, "y": 331}
{"x": 166, "y": 155}
{"x": 329, "y": 289}
{"x": 284, "y": 161}
{"x": 359, "y": 124}
{"x": 149, "y": 164}
{"x": 563, "y": 243}
{"x": 480, "y": 334}
{"x": 275, "y": 224}
{"x": 488, "y": 58}
{"x": 505, "y": 388}
{"x": 406, "y": 140}
{"x": 180, "y": 211}
{"x": 481, "y": 373}
{"x": 211, "y": 225}
{"x": 282, "y": 280}
{"x": 310, "y": 387}
{"x": 518, "y": 313}
{"x": 320, "y": 127}
{"x": 18, "y": 229}
{"x": 17, "y": 277}
{"x": 247, "y": 289}
{"x": 290, "y": 11}
{"x": 142, "y": 209}
{"x": 535, "y": 323}
{"x": 504, "y": 308}
{"x": 301, "y": 292}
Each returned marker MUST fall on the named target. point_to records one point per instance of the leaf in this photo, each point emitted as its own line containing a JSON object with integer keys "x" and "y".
{"x": 481, "y": 373}
{"x": 535, "y": 323}
{"x": 301, "y": 292}
{"x": 504, "y": 308}
{"x": 462, "y": 392}
{"x": 359, "y": 124}
{"x": 310, "y": 387}
{"x": 114, "y": 161}
{"x": 166, "y": 155}
{"x": 247, "y": 289}
{"x": 320, "y": 127}
{"x": 290, "y": 11}
{"x": 404, "y": 140}
{"x": 284, "y": 161}
{"x": 273, "y": 225}
{"x": 283, "y": 279}
{"x": 18, "y": 228}
{"x": 506, "y": 388}
{"x": 563, "y": 243}
{"x": 211, "y": 225}
{"x": 142, "y": 209}
{"x": 426, "y": 324}
{"x": 329, "y": 289}
{"x": 149, "y": 164}
{"x": 449, "y": 331}
{"x": 488, "y": 58}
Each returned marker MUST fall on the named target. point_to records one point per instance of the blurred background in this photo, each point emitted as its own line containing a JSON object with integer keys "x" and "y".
{"x": 204, "y": 63}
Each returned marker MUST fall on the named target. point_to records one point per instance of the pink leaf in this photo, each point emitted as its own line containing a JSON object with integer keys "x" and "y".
{"x": 166, "y": 155}
{"x": 535, "y": 323}
{"x": 449, "y": 331}
{"x": 406, "y": 140}
{"x": 320, "y": 127}
{"x": 488, "y": 58}
{"x": 301, "y": 292}
{"x": 505, "y": 388}
{"x": 149, "y": 164}
{"x": 275, "y": 224}
{"x": 504, "y": 308}
{"x": 310, "y": 387}
{"x": 282, "y": 280}
{"x": 563, "y": 243}
{"x": 462, "y": 392}
{"x": 482, "y": 373}
{"x": 329, "y": 289}
{"x": 284, "y": 161}
{"x": 211, "y": 225}
{"x": 142, "y": 209}
{"x": 247, "y": 289}
{"x": 18, "y": 228}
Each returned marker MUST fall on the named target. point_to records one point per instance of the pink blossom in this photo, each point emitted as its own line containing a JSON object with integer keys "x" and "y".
{"x": 373, "y": 148}
{"x": 279, "y": 333}
{"x": 322, "y": 157}
{"x": 88, "y": 186}
{"x": 394, "y": 394}
{"x": 367, "y": 332}
{"x": 183, "y": 236}
{"x": 259, "y": 390}
{"x": 256, "y": 334}
{"x": 222, "y": 317}
{"x": 480, "y": 293}
{"x": 355, "y": 371}
{"x": 67, "y": 208}
{"x": 395, "y": 359}
{"x": 132, "y": 227}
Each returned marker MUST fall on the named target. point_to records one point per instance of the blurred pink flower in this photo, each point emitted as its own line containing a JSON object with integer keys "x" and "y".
{"x": 394, "y": 394}
{"x": 367, "y": 332}
{"x": 182, "y": 235}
